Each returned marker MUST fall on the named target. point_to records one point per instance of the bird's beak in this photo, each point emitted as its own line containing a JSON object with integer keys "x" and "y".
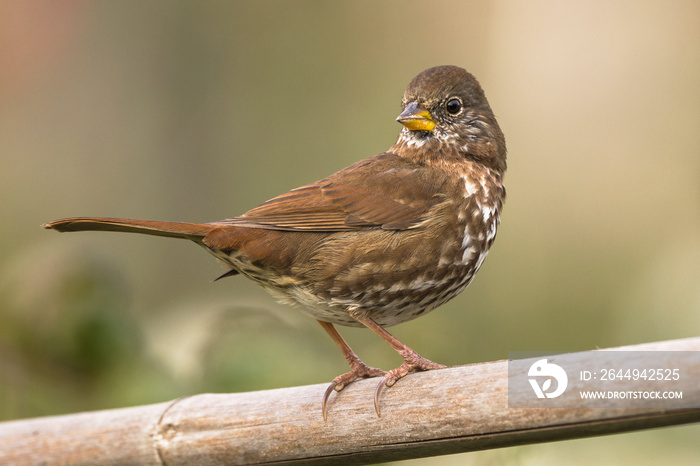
{"x": 416, "y": 118}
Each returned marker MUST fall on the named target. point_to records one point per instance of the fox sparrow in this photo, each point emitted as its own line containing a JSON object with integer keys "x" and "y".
{"x": 380, "y": 242}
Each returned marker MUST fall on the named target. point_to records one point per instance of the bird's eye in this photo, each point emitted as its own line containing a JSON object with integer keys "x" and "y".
{"x": 453, "y": 106}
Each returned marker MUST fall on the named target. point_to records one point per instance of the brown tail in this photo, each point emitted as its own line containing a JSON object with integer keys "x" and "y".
{"x": 193, "y": 231}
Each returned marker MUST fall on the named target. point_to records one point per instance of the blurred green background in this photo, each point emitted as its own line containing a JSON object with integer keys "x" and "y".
{"x": 197, "y": 111}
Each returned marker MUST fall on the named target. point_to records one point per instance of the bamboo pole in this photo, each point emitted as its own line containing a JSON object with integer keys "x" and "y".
{"x": 426, "y": 414}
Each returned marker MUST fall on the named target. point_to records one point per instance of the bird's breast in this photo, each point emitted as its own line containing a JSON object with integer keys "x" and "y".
{"x": 391, "y": 275}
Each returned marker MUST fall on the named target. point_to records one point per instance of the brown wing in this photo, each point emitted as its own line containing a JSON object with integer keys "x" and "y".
{"x": 384, "y": 191}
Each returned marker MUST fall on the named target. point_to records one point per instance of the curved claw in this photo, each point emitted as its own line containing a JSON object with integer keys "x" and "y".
{"x": 329, "y": 390}
{"x": 416, "y": 362}
{"x": 377, "y": 393}
{"x": 359, "y": 371}
{"x": 388, "y": 381}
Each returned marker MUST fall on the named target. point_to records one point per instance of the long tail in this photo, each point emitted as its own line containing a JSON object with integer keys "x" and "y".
{"x": 193, "y": 231}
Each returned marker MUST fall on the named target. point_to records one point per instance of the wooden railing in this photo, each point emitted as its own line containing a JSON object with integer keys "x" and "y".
{"x": 431, "y": 413}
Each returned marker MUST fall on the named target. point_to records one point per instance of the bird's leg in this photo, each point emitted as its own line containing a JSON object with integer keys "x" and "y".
{"x": 358, "y": 369}
{"x": 412, "y": 361}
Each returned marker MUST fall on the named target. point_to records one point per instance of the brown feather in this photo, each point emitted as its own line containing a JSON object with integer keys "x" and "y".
{"x": 385, "y": 191}
{"x": 193, "y": 231}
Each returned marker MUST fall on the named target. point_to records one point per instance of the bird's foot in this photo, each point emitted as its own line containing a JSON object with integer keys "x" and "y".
{"x": 360, "y": 370}
{"x": 412, "y": 361}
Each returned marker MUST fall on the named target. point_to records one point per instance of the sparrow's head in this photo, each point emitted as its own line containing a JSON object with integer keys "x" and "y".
{"x": 446, "y": 114}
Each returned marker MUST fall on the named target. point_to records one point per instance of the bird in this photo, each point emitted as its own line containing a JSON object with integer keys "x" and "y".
{"x": 380, "y": 242}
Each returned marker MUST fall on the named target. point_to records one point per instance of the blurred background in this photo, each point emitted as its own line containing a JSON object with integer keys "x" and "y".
{"x": 198, "y": 111}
